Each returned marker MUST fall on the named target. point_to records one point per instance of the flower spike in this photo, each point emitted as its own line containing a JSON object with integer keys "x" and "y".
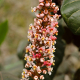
{"x": 42, "y": 35}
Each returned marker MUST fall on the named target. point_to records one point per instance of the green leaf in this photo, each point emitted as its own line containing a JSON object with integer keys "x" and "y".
{"x": 3, "y": 30}
{"x": 7, "y": 76}
{"x": 70, "y": 11}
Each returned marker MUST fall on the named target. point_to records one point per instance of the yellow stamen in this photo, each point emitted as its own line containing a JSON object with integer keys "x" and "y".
{"x": 49, "y": 51}
{"x": 53, "y": 43}
{"x": 29, "y": 34}
{"x": 56, "y": 33}
{"x": 43, "y": 31}
{"x": 52, "y": 56}
{"x": 53, "y": 50}
{"x": 36, "y": 36}
{"x": 26, "y": 50}
{"x": 32, "y": 10}
{"x": 43, "y": 38}
{"x": 23, "y": 76}
{"x": 53, "y": 64}
{"x": 29, "y": 59}
{"x": 51, "y": 30}
{"x": 31, "y": 46}
{"x": 30, "y": 27}
{"x": 25, "y": 58}
{"x": 57, "y": 25}
{"x": 28, "y": 40}
{"x": 34, "y": 67}
{"x": 40, "y": 50}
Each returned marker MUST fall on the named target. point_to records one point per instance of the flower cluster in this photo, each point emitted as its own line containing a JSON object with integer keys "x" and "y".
{"x": 42, "y": 35}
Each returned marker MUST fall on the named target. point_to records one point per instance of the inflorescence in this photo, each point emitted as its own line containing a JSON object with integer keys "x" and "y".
{"x": 42, "y": 35}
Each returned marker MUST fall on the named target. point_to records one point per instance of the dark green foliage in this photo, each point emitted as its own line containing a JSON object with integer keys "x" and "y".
{"x": 60, "y": 46}
{"x": 59, "y": 53}
{"x": 70, "y": 11}
{"x": 3, "y": 30}
{"x": 77, "y": 75}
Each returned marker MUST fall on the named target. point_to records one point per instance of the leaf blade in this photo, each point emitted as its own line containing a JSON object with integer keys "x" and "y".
{"x": 69, "y": 11}
{"x": 3, "y": 31}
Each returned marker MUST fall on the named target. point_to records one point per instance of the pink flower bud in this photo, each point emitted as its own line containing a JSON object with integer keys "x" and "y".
{"x": 41, "y": 4}
{"x": 42, "y": 77}
{"x": 41, "y": 0}
{"x": 41, "y": 15}
{"x": 46, "y": 11}
{"x": 44, "y": 71}
{"x": 47, "y": 4}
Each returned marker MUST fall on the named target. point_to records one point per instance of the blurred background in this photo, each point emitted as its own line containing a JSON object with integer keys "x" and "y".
{"x": 15, "y": 17}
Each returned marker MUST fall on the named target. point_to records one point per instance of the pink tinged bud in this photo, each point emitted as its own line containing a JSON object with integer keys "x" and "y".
{"x": 27, "y": 65}
{"x": 35, "y": 77}
{"x": 52, "y": 20}
{"x": 48, "y": 51}
{"x": 50, "y": 69}
{"x": 41, "y": 0}
{"x": 41, "y": 4}
{"x": 37, "y": 15}
{"x": 53, "y": 5}
{"x": 47, "y": 31}
{"x": 41, "y": 49}
{"x": 38, "y": 22}
{"x": 53, "y": 38}
{"x": 51, "y": 29}
{"x": 38, "y": 55}
{"x": 41, "y": 15}
{"x": 41, "y": 59}
{"x": 38, "y": 7}
{"x": 34, "y": 19}
{"x": 47, "y": 63}
{"x": 44, "y": 71}
{"x": 29, "y": 74}
{"x": 34, "y": 9}
{"x": 46, "y": 11}
{"x": 47, "y": 4}
{"x": 44, "y": 30}
{"x": 56, "y": 23}
{"x": 56, "y": 16}
{"x": 45, "y": 19}
{"x": 55, "y": 31}
{"x": 42, "y": 77}
{"x": 33, "y": 55}
{"x": 56, "y": 9}
{"x": 39, "y": 71}
{"x": 51, "y": 56}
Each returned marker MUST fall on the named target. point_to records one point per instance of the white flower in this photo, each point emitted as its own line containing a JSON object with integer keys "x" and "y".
{"x": 35, "y": 77}
{"x": 49, "y": 73}
{"x": 41, "y": 77}
{"x": 41, "y": 59}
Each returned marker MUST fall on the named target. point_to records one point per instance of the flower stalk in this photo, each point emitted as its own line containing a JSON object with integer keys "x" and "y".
{"x": 42, "y": 35}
